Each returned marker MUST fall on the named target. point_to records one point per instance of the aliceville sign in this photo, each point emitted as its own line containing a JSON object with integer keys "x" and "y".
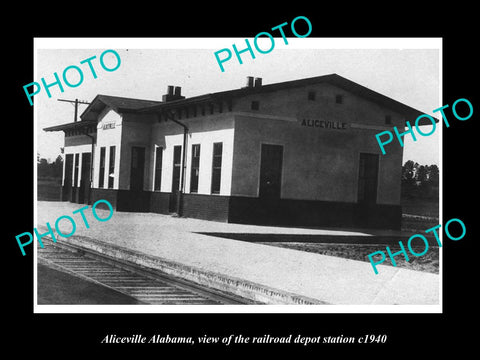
{"x": 324, "y": 124}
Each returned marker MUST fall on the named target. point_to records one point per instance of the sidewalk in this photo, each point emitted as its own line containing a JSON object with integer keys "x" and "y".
{"x": 260, "y": 272}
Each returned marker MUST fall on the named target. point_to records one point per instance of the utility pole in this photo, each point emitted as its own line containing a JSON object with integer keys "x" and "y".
{"x": 76, "y": 102}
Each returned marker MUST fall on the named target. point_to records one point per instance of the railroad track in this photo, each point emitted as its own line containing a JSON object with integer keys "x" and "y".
{"x": 146, "y": 286}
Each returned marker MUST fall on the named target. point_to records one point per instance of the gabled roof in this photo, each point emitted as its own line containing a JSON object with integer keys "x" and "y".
{"x": 334, "y": 79}
{"x": 117, "y": 103}
{"x": 123, "y": 104}
{"x": 98, "y": 104}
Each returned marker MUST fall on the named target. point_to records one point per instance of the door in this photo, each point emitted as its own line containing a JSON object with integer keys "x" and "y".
{"x": 177, "y": 167}
{"x": 271, "y": 171}
{"x": 75, "y": 178}
{"x": 83, "y": 196}
{"x": 67, "y": 181}
{"x": 137, "y": 168}
{"x": 368, "y": 179}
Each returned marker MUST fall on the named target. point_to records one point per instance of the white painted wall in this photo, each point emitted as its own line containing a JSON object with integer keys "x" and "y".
{"x": 318, "y": 163}
{"x": 206, "y": 140}
{"x": 203, "y": 130}
{"x": 107, "y": 138}
{"x": 136, "y": 131}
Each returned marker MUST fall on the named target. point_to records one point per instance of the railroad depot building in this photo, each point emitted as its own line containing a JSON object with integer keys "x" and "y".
{"x": 299, "y": 152}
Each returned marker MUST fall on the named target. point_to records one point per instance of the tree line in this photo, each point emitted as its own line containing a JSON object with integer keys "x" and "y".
{"x": 49, "y": 170}
{"x": 420, "y": 180}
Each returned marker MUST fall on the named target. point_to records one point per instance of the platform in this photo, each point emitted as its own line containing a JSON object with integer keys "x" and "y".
{"x": 259, "y": 272}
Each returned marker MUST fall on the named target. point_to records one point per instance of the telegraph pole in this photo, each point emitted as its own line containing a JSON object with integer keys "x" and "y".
{"x": 76, "y": 102}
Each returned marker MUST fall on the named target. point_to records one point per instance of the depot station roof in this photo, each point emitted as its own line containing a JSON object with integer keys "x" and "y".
{"x": 130, "y": 105}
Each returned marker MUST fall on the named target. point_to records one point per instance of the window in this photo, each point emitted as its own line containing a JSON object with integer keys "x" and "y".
{"x": 194, "y": 172}
{"x": 75, "y": 175}
{"x": 255, "y": 105}
{"x": 311, "y": 95}
{"x": 339, "y": 99}
{"x": 111, "y": 167}
{"x": 158, "y": 168}
{"x": 388, "y": 119}
{"x": 216, "y": 167}
{"x": 101, "y": 177}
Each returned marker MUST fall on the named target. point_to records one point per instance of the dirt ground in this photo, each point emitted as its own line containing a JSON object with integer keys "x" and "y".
{"x": 423, "y": 216}
{"x": 427, "y": 263}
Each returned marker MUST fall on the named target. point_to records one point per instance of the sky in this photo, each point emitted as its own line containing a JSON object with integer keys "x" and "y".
{"x": 407, "y": 70}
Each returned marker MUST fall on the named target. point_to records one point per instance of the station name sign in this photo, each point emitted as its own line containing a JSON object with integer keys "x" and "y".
{"x": 324, "y": 124}
{"x": 107, "y": 126}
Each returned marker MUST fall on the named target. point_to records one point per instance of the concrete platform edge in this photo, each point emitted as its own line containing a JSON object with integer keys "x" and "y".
{"x": 244, "y": 288}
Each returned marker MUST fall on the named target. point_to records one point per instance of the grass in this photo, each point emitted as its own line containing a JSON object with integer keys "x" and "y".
{"x": 49, "y": 189}
{"x": 419, "y": 214}
{"x": 420, "y": 206}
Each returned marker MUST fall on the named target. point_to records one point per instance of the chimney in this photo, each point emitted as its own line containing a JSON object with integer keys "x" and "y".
{"x": 258, "y": 82}
{"x": 249, "y": 81}
{"x": 173, "y": 93}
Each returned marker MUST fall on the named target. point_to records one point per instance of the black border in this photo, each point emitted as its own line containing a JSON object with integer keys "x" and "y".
{"x": 407, "y": 333}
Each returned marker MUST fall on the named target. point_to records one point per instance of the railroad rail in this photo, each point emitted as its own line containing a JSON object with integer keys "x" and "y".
{"x": 148, "y": 287}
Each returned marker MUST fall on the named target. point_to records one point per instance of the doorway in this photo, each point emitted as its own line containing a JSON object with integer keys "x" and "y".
{"x": 176, "y": 173}
{"x": 368, "y": 179}
{"x": 137, "y": 168}
{"x": 271, "y": 171}
{"x": 67, "y": 181}
{"x": 84, "y": 190}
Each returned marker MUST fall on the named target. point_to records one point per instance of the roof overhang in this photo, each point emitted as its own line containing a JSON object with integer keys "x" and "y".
{"x": 123, "y": 105}
{"x": 85, "y": 125}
